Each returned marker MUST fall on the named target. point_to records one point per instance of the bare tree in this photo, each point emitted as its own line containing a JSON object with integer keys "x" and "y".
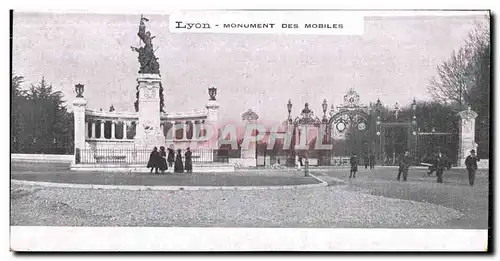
{"x": 461, "y": 73}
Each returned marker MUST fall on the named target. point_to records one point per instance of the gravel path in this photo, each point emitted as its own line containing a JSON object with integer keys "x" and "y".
{"x": 319, "y": 207}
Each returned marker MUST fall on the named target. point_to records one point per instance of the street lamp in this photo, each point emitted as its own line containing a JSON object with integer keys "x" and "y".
{"x": 289, "y": 107}
{"x": 325, "y": 107}
{"x": 79, "y": 88}
{"x": 414, "y": 105}
{"x": 396, "y": 109}
{"x": 378, "y": 105}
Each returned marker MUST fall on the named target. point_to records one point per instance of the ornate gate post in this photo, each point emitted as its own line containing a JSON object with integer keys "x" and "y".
{"x": 467, "y": 134}
{"x": 79, "y": 105}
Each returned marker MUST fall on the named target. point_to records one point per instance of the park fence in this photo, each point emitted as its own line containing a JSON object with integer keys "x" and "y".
{"x": 141, "y": 156}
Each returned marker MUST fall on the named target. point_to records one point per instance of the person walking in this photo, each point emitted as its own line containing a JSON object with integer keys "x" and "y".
{"x": 433, "y": 161}
{"x": 153, "y": 160}
{"x": 178, "y": 167}
{"x": 404, "y": 165}
{"x": 471, "y": 166}
{"x": 162, "y": 160}
{"x": 354, "y": 165}
{"x": 372, "y": 161}
{"x": 441, "y": 165}
{"x": 171, "y": 156}
{"x": 188, "y": 163}
{"x": 366, "y": 161}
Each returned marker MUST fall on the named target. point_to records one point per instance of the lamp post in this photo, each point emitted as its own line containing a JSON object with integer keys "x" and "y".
{"x": 289, "y": 107}
{"x": 414, "y": 128}
{"x": 396, "y": 110}
{"x": 378, "y": 107}
{"x": 325, "y": 107}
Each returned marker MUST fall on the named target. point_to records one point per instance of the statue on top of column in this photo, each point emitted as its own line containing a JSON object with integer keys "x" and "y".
{"x": 147, "y": 59}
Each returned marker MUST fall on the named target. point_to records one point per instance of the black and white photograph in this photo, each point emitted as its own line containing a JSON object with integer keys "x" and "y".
{"x": 324, "y": 120}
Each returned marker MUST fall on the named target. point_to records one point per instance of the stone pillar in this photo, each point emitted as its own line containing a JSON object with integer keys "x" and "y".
{"x": 172, "y": 130}
{"x": 467, "y": 137}
{"x": 148, "y": 127}
{"x": 185, "y": 131}
{"x": 102, "y": 130}
{"x": 93, "y": 129}
{"x": 86, "y": 129}
{"x": 113, "y": 129}
{"x": 124, "y": 130}
{"x": 79, "y": 105}
{"x": 212, "y": 117}
{"x": 248, "y": 154}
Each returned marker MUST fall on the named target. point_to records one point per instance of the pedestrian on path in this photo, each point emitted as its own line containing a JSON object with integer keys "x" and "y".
{"x": 404, "y": 165}
{"x": 188, "y": 162}
{"x": 162, "y": 160}
{"x": 153, "y": 160}
{"x": 354, "y": 165}
{"x": 178, "y": 167}
{"x": 471, "y": 165}
{"x": 441, "y": 165}
{"x": 171, "y": 156}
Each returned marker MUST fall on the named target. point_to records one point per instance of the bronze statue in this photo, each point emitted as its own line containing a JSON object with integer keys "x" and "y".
{"x": 147, "y": 59}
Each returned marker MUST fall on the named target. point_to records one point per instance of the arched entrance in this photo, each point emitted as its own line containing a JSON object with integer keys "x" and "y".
{"x": 349, "y": 128}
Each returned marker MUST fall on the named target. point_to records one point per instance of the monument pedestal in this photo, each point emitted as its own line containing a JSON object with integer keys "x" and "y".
{"x": 148, "y": 130}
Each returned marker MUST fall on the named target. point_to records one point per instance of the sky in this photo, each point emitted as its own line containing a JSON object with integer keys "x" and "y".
{"x": 393, "y": 60}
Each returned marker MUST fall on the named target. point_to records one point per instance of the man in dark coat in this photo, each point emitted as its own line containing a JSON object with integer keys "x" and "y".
{"x": 433, "y": 161}
{"x": 162, "y": 162}
{"x": 366, "y": 161}
{"x": 404, "y": 165}
{"x": 178, "y": 167}
{"x": 441, "y": 165}
{"x": 354, "y": 165}
{"x": 471, "y": 165}
{"x": 170, "y": 157}
{"x": 188, "y": 160}
{"x": 372, "y": 161}
{"x": 153, "y": 160}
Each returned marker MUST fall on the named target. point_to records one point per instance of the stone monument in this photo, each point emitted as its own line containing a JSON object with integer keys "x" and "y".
{"x": 467, "y": 135}
{"x": 148, "y": 131}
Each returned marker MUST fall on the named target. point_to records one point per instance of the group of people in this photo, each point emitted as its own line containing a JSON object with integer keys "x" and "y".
{"x": 161, "y": 160}
{"x": 439, "y": 163}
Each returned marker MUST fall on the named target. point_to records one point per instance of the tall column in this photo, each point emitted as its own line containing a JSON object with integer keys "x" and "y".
{"x": 467, "y": 137}
{"x": 212, "y": 117}
{"x": 185, "y": 131}
{"x": 102, "y": 130}
{"x": 86, "y": 129}
{"x": 200, "y": 129}
{"x": 79, "y": 105}
{"x": 113, "y": 129}
{"x": 93, "y": 128}
{"x": 172, "y": 130}
{"x": 124, "y": 130}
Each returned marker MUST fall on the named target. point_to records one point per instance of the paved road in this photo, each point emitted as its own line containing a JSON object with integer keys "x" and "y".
{"x": 59, "y": 173}
{"x": 455, "y": 193}
{"x": 373, "y": 199}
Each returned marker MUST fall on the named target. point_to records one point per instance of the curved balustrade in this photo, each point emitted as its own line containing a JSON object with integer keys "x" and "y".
{"x": 119, "y": 127}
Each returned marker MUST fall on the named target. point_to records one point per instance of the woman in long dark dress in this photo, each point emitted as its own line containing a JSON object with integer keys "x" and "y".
{"x": 170, "y": 157}
{"x": 188, "y": 160}
{"x": 162, "y": 162}
{"x": 153, "y": 160}
{"x": 178, "y": 167}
